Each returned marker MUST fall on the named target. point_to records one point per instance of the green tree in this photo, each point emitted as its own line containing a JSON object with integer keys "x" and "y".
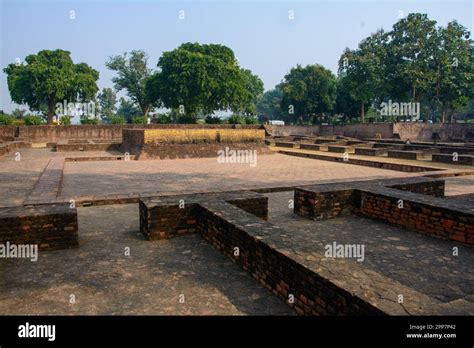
{"x": 363, "y": 71}
{"x": 128, "y": 110}
{"x": 308, "y": 92}
{"x": 269, "y": 105}
{"x": 252, "y": 89}
{"x": 454, "y": 69}
{"x": 107, "y": 101}
{"x": 18, "y": 113}
{"x": 410, "y": 58}
{"x": 200, "y": 79}
{"x": 132, "y": 75}
{"x": 50, "y": 77}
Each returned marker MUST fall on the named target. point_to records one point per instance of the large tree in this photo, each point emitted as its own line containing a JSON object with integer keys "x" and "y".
{"x": 132, "y": 76}
{"x": 196, "y": 79}
{"x": 308, "y": 92}
{"x": 269, "y": 105}
{"x": 128, "y": 110}
{"x": 250, "y": 92}
{"x": 363, "y": 70}
{"x": 453, "y": 85}
{"x": 107, "y": 100}
{"x": 50, "y": 77}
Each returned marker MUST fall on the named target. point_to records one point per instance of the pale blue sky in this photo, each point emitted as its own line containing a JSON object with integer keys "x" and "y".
{"x": 259, "y": 32}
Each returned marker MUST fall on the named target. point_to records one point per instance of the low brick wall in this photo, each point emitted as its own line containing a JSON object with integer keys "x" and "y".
{"x": 364, "y": 162}
{"x": 285, "y": 144}
{"x": 341, "y": 149}
{"x": 53, "y": 133}
{"x": 410, "y": 155}
{"x": 11, "y": 146}
{"x": 434, "y": 220}
{"x": 51, "y": 227}
{"x": 230, "y": 230}
{"x": 89, "y": 146}
{"x": 365, "y": 151}
{"x": 467, "y": 160}
{"x": 177, "y": 215}
{"x": 422, "y": 210}
{"x": 189, "y": 143}
{"x": 316, "y": 147}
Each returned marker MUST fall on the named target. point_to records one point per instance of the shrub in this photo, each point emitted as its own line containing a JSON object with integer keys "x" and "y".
{"x": 65, "y": 120}
{"x": 32, "y": 120}
{"x": 251, "y": 120}
{"x": 213, "y": 119}
{"x": 117, "y": 120}
{"x": 186, "y": 119}
{"x": 94, "y": 120}
{"x": 236, "y": 119}
{"x": 138, "y": 119}
{"x": 6, "y": 119}
{"x": 162, "y": 118}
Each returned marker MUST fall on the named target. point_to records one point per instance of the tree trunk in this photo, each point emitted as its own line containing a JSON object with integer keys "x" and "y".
{"x": 362, "y": 112}
{"x": 145, "y": 110}
{"x": 50, "y": 110}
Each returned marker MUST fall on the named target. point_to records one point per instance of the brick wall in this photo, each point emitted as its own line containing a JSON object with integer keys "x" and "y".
{"x": 227, "y": 228}
{"x": 413, "y": 203}
{"x": 164, "y": 218}
{"x": 51, "y": 227}
{"x": 433, "y": 220}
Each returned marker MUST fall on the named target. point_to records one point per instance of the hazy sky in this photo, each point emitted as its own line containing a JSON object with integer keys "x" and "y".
{"x": 260, "y": 33}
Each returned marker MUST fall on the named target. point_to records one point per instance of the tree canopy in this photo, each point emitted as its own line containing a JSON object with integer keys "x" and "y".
{"x": 132, "y": 76}
{"x": 196, "y": 78}
{"x": 50, "y": 77}
{"x": 308, "y": 92}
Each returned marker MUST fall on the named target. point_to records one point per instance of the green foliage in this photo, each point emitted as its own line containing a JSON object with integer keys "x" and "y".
{"x": 310, "y": 90}
{"x": 116, "y": 120}
{"x": 32, "y": 120}
{"x": 65, "y": 120}
{"x": 106, "y": 101}
{"x": 269, "y": 105}
{"x": 128, "y": 110}
{"x": 132, "y": 75}
{"x": 236, "y": 119}
{"x": 204, "y": 79}
{"x": 18, "y": 113}
{"x": 50, "y": 77}
{"x": 92, "y": 120}
{"x": 163, "y": 118}
{"x": 6, "y": 119}
{"x": 186, "y": 119}
{"x": 250, "y": 120}
{"x": 416, "y": 61}
{"x": 213, "y": 119}
{"x": 138, "y": 120}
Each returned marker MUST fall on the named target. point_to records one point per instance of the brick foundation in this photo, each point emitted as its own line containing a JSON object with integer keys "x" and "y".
{"x": 51, "y": 227}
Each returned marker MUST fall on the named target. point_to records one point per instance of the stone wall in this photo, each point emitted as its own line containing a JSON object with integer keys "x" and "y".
{"x": 51, "y": 227}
